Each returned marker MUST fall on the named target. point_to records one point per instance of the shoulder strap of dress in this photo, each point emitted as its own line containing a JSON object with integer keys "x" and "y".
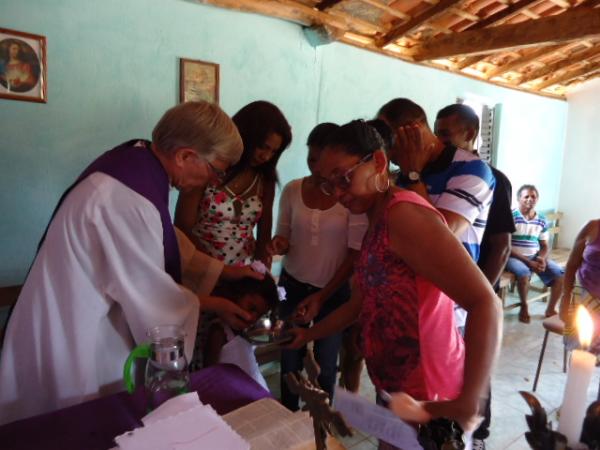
{"x": 259, "y": 189}
{"x": 246, "y": 191}
{"x": 407, "y": 196}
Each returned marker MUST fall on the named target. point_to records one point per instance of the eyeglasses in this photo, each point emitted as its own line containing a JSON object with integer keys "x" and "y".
{"x": 219, "y": 173}
{"x": 343, "y": 181}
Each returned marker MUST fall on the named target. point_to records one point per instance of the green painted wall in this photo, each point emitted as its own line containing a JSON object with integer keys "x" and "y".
{"x": 113, "y": 70}
{"x": 580, "y": 187}
{"x": 532, "y": 128}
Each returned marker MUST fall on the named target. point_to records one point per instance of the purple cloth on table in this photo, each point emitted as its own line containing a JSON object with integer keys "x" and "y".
{"x": 94, "y": 424}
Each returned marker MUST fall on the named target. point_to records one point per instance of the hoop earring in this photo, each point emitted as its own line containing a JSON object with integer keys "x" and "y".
{"x": 378, "y": 182}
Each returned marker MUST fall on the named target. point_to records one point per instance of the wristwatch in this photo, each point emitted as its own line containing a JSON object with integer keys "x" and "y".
{"x": 413, "y": 177}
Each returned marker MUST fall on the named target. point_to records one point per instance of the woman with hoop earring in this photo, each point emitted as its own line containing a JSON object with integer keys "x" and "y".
{"x": 410, "y": 267}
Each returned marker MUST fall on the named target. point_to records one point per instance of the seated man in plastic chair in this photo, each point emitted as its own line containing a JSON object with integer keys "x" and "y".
{"x": 529, "y": 252}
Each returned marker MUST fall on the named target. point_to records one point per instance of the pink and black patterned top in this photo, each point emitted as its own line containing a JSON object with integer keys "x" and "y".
{"x": 410, "y": 339}
{"x": 225, "y": 224}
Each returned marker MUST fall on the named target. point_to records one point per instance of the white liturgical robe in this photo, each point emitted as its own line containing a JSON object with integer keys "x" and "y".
{"x": 97, "y": 285}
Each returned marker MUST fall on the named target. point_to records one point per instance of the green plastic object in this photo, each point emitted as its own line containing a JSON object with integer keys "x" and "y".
{"x": 141, "y": 351}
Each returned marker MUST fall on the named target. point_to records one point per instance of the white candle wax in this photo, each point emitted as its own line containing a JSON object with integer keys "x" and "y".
{"x": 574, "y": 403}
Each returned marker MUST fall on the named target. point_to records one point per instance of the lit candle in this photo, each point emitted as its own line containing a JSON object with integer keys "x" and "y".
{"x": 580, "y": 373}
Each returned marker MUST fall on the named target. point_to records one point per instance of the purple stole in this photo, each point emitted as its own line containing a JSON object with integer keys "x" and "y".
{"x": 139, "y": 169}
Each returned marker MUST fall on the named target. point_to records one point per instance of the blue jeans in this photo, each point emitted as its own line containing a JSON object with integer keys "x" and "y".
{"x": 552, "y": 272}
{"x": 326, "y": 350}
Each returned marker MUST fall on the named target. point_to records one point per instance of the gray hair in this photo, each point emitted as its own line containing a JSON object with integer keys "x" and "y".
{"x": 527, "y": 187}
{"x": 201, "y": 126}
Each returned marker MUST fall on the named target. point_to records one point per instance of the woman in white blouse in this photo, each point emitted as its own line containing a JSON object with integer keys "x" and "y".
{"x": 320, "y": 239}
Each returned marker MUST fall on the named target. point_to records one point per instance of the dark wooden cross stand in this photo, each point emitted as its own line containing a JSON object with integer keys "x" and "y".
{"x": 325, "y": 418}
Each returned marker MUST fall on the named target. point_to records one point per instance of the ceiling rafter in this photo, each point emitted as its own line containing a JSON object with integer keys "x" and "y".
{"x": 525, "y": 60}
{"x": 561, "y": 64}
{"x": 404, "y": 28}
{"x": 586, "y": 69}
{"x": 386, "y": 8}
{"x": 585, "y": 78}
{"x": 464, "y": 14}
{"x": 571, "y": 25}
{"x": 326, "y": 4}
{"x": 503, "y": 14}
{"x": 561, "y": 3}
{"x": 446, "y": 30}
{"x": 335, "y": 18}
{"x": 529, "y": 13}
{"x": 510, "y": 11}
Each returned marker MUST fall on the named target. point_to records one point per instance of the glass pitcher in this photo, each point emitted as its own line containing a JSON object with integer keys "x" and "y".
{"x": 166, "y": 373}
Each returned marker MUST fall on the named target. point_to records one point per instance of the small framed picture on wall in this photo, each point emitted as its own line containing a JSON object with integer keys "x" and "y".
{"x": 22, "y": 66}
{"x": 198, "y": 80}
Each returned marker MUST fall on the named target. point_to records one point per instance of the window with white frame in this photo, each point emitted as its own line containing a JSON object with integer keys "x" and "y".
{"x": 486, "y": 140}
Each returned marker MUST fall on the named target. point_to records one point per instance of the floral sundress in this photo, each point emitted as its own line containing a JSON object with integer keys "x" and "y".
{"x": 226, "y": 221}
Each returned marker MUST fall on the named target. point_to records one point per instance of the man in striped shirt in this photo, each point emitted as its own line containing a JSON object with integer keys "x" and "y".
{"x": 529, "y": 253}
{"x": 453, "y": 180}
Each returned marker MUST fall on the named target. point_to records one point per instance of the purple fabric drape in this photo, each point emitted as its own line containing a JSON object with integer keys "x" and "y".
{"x": 138, "y": 168}
{"x": 133, "y": 164}
{"x": 94, "y": 425}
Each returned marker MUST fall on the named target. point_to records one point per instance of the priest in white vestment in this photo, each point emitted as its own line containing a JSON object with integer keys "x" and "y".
{"x": 108, "y": 268}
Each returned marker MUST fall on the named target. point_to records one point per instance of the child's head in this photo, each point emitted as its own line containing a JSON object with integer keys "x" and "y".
{"x": 255, "y": 296}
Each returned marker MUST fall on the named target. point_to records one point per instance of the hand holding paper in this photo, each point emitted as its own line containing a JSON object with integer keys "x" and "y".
{"x": 411, "y": 410}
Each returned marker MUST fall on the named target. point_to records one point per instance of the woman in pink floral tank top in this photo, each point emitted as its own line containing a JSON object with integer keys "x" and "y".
{"x": 409, "y": 267}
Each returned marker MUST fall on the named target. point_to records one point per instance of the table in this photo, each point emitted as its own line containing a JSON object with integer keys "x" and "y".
{"x": 93, "y": 425}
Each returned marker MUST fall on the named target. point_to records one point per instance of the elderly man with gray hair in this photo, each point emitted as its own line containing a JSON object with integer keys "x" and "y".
{"x": 108, "y": 267}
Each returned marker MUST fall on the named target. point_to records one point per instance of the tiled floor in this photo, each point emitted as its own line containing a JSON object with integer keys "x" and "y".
{"x": 515, "y": 372}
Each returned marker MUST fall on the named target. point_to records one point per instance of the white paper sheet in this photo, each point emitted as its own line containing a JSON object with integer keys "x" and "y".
{"x": 172, "y": 407}
{"x": 375, "y": 420}
{"x": 197, "y": 428}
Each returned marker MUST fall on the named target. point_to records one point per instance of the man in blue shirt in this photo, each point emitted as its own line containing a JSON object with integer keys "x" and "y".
{"x": 458, "y": 125}
{"x": 454, "y": 180}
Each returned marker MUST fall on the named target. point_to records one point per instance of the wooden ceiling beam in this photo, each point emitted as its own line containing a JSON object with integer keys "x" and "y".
{"x": 544, "y": 51}
{"x": 470, "y": 60}
{"x": 588, "y": 68}
{"x": 575, "y": 24}
{"x": 505, "y": 13}
{"x": 463, "y": 14}
{"x": 585, "y": 78}
{"x": 368, "y": 45}
{"x": 335, "y": 18}
{"x": 266, "y": 7}
{"x": 529, "y": 13}
{"x": 558, "y": 65}
{"x": 326, "y": 4}
{"x": 397, "y": 32}
{"x": 561, "y": 3}
{"x": 522, "y": 62}
{"x": 530, "y": 58}
{"x": 388, "y": 9}
{"x": 298, "y": 13}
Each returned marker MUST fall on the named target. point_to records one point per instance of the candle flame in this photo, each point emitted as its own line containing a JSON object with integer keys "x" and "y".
{"x": 585, "y": 326}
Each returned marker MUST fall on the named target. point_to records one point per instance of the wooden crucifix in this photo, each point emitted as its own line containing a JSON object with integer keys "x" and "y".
{"x": 325, "y": 418}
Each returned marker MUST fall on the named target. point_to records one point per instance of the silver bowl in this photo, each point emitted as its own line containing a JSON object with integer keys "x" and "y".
{"x": 267, "y": 331}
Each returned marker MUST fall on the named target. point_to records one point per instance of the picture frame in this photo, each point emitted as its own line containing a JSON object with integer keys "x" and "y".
{"x": 198, "y": 80}
{"x": 23, "y": 66}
